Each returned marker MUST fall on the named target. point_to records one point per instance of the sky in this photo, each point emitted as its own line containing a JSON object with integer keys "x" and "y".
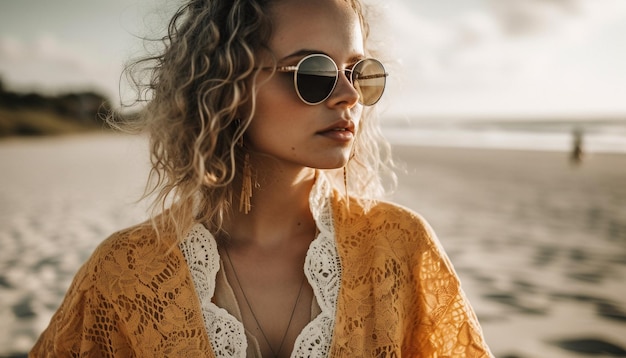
{"x": 447, "y": 58}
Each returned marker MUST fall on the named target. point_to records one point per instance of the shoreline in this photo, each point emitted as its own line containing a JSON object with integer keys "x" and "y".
{"x": 394, "y": 141}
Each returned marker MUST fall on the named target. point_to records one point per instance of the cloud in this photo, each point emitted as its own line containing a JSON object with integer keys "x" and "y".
{"x": 10, "y": 49}
{"x": 519, "y": 17}
{"x": 48, "y": 65}
{"x": 497, "y": 51}
{"x": 539, "y": 17}
{"x": 503, "y": 55}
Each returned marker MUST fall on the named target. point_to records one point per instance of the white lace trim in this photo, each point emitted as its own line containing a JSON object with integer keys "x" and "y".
{"x": 226, "y": 333}
{"x": 322, "y": 268}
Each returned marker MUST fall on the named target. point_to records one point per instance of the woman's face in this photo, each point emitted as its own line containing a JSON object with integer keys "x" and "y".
{"x": 297, "y": 134}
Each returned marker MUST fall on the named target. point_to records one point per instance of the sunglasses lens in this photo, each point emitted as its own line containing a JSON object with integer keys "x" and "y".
{"x": 316, "y": 78}
{"x": 369, "y": 79}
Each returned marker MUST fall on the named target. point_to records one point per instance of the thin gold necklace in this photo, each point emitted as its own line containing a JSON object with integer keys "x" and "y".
{"x": 293, "y": 311}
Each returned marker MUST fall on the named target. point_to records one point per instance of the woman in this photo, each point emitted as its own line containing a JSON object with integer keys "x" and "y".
{"x": 263, "y": 143}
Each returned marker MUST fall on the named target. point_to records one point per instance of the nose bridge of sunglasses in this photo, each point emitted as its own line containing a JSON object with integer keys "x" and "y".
{"x": 349, "y": 74}
{"x": 346, "y": 75}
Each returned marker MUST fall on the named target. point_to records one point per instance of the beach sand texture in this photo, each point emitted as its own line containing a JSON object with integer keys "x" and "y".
{"x": 540, "y": 245}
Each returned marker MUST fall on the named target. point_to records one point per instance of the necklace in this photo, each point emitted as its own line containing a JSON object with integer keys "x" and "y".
{"x": 293, "y": 311}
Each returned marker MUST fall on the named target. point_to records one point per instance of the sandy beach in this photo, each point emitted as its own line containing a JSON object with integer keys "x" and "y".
{"x": 540, "y": 244}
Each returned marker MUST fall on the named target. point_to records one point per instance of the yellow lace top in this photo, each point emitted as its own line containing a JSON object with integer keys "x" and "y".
{"x": 383, "y": 286}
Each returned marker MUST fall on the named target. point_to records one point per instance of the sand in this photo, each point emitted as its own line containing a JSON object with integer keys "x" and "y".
{"x": 540, "y": 245}
{"x": 59, "y": 197}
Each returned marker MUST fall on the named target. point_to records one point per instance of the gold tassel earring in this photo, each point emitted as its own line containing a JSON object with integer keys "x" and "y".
{"x": 345, "y": 185}
{"x": 246, "y": 186}
{"x": 246, "y": 180}
{"x": 345, "y": 174}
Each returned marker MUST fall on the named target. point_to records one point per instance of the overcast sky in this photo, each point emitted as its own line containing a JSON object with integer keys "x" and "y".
{"x": 448, "y": 58}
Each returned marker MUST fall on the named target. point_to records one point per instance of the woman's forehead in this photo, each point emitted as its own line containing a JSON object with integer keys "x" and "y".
{"x": 330, "y": 26}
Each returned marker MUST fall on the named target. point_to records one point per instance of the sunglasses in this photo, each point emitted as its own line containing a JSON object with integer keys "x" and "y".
{"x": 315, "y": 78}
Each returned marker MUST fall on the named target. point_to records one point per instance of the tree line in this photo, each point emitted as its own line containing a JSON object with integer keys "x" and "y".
{"x": 38, "y": 114}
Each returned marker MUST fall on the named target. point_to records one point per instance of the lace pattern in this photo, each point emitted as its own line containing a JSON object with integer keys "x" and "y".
{"x": 400, "y": 295}
{"x": 322, "y": 269}
{"x": 383, "y": 284}
{"x": 133, "y": 298}
{"x": 226, "y": 333}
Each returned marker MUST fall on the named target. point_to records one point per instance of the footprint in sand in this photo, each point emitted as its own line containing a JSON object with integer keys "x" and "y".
{"x": 591, "y": 346}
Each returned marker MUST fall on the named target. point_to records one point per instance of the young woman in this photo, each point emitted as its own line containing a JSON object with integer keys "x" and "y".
{"x": 265, "y": 150}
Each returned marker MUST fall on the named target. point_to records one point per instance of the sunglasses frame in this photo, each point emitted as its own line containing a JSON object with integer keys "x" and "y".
{"x": 295, "y": 69}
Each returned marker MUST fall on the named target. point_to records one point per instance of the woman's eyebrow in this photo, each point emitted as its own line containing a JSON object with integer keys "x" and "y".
{"x": 302, "y": 53}
{"x": 305, "y": 52}
{"x": 354, "y": 59}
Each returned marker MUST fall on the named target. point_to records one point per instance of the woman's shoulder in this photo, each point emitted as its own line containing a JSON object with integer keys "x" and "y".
{"x": 126, "y": 255}
{"x": 383, "y": 221}
{"x": 387, "y": 214}
{"x": 394, "y": 212}
{"x": 143, "y": 238}
{"x": 382, "y": 230}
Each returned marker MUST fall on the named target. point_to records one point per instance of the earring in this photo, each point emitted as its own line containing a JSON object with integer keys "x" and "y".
{"x": 345, "y": 185}
{"x": 345, "y": 174}
{"x": 246, "y": 186}
{"x": 246, "y": 182}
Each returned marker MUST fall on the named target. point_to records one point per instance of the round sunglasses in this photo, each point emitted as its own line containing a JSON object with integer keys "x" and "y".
{"x": 316, "y": 75}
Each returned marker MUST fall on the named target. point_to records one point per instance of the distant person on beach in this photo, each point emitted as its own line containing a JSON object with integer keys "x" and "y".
{"x": 577, "y": 154}
{"x": 268, "y": 238}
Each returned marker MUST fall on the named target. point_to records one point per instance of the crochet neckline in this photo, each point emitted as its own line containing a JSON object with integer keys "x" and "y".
{"x": 322, "y": 269}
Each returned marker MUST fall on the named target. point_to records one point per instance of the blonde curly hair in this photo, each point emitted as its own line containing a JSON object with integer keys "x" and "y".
{"x": 200, "y": 98}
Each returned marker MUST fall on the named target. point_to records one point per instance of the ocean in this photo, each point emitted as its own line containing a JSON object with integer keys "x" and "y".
{"x": 598, "y": 136}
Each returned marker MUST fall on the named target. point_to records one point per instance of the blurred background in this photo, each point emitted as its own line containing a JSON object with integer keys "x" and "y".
{"x": 507, "y": 117}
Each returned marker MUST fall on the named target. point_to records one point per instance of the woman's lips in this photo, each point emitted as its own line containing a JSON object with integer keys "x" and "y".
{"x": 338, "y": 134}
{"x": 341, "y": 130}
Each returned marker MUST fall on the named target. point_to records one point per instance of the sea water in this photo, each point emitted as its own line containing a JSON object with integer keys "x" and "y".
{"x": 600, "y": 136}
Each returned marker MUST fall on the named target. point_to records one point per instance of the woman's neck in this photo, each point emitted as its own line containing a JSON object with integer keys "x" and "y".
{"x": 279, "y": 208}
